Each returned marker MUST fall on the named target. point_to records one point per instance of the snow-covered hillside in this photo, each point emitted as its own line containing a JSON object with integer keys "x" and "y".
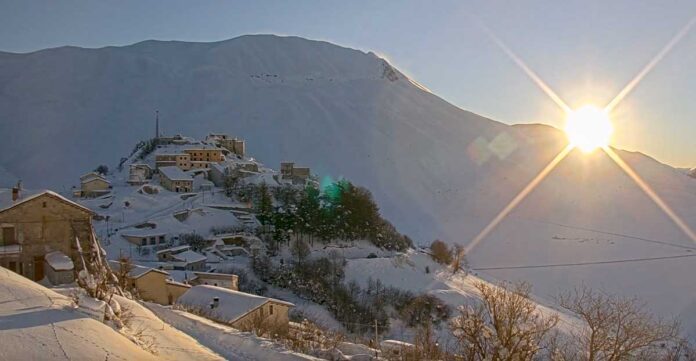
{"x": 39, "y": 324}
{"x": 436, "y": 171}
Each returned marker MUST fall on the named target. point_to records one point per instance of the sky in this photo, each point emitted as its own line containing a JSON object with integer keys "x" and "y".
{"x": 587, "y": 51}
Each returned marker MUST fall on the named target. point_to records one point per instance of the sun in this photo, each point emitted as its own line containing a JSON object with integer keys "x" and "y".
{"x": 589, "y": 128}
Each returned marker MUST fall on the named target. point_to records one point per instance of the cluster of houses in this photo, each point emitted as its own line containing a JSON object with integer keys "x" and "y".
{"x": 220, "y": 158}
{"x": 42, "y": 235}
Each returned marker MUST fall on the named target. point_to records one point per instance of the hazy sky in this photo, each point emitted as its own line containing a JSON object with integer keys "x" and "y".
{"x": 587, "y": 51}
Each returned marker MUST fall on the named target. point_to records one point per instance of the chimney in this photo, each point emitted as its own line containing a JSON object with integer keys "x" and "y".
{"x": 15, "y": 193}
{"x": 216, "y": 302}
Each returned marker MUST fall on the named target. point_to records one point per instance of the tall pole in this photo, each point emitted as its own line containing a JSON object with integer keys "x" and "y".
{"x": 376, "y": 335}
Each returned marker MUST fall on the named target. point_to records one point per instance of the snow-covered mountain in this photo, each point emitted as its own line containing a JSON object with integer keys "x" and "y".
{"x": 436, "y": 170}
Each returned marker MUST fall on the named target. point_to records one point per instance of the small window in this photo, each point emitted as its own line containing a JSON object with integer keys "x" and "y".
{"x": 270, "y": 309}
{"x": 44, "y": 204}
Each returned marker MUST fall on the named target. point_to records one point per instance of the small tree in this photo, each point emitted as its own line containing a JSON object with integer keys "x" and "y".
{"x": 505, "y": 325}
{"x": 195, "y": 241}
{"x": 617, "y": 328}
{"x": 102, "y": 169}
{"x": 440, "y": 252}
{"x": 125, "y": 266}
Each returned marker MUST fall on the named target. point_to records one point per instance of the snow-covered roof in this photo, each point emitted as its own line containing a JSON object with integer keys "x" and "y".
{"x": 59, "y": 261}
{"x": 136, "y": 271}
{"x": 91, "y": 177}
{"x": 174, "y": 249}
{"x": 214, "y": 275}
{"x": 175, "y": 283}
{"x": 142, "y": 233}
{"x": 190, "y": 257}
{"x": 232, "y": 304}
{"x": 175, "y": 173}
{"x": 201, "y": 147}
{"x": 7, "y": 203}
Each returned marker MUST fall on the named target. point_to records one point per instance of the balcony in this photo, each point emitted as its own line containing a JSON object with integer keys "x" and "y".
{"x": 10, "y": 249}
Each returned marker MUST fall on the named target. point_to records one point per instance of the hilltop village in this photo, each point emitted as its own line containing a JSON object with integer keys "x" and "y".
{"x": 202, "y": 227}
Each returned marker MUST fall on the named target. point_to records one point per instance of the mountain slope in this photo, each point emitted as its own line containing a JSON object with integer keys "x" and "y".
{"x": 436, "y": 170}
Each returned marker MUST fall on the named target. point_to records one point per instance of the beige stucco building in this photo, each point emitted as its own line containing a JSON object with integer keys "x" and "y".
{"x": 152, "y": 285}
{"x": 36, "y": 225}
{"x": 204, "y": 153}
{"x": 223, "y": 280}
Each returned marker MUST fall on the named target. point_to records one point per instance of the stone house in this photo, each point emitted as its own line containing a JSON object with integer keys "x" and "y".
{"x": 297, "y": 175}
{"x": 139, "y": 173}
{"x": 175, "y": 180}
{"x": 94, "y": 185}
{"x": 238, "y": 309}
{"x": 34, "y": 226}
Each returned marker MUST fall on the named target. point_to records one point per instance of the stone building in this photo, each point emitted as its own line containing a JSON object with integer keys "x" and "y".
{"x": 34, "y": 226}
{"x": 153, "y": 285}
{"x": 94, "y": 185}
{"x": 240, "y": 310}
{"x": 175, "y": 180}
{"x": 297, "y": 175}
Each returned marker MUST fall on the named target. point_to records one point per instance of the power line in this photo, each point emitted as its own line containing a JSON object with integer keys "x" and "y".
{"x": 550, "y": 265}
{"x": 611, "y": 233}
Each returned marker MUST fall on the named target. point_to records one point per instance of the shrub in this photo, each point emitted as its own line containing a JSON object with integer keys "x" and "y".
{"x": 440, "y": 252}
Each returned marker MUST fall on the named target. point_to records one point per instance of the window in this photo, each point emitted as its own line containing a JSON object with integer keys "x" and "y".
{"x": 8, "y": 236}
{"x": 44, "y": 204}
{"x": 270, "y": 309}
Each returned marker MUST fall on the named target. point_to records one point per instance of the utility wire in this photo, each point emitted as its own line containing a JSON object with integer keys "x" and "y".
{"x": 550, "y": 265}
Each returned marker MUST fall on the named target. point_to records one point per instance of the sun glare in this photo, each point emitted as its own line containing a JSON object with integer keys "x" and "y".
{"x": 589, "y": 128}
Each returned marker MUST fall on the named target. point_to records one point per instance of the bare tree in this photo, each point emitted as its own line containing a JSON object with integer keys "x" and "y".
{"x": 505, "y": 325}
{"x": 617, "y": 328}
{"x": 459, "y": 261}
{"x": 125, "y": 266}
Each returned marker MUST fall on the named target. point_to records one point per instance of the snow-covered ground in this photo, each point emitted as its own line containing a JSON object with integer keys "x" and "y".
{"x": 37, "y": 323}
{"x": 436, "y": 171}
{"x": 229, "y": 342}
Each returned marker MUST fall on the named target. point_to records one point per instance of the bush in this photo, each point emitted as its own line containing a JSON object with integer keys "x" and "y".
{"x": 195, "y": 241}
{"x": 424, "y": 310}
{"x": 440, "y": 252}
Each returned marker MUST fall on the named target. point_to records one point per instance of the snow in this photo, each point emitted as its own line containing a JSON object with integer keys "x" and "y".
{"x": 169, "y": 343}
{"x": 232, "y": 304}
{"x": 435, "y": 170}
{"x": 38, "y": 324}
{"x": 174, "y": 173}
{"x": 227, "y": 341}
{"x": 189, "y": 257}
{"x": 59, "y": 261}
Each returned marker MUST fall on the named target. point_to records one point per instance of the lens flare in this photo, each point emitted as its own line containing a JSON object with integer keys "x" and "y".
{"x": 589, "y": 128}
